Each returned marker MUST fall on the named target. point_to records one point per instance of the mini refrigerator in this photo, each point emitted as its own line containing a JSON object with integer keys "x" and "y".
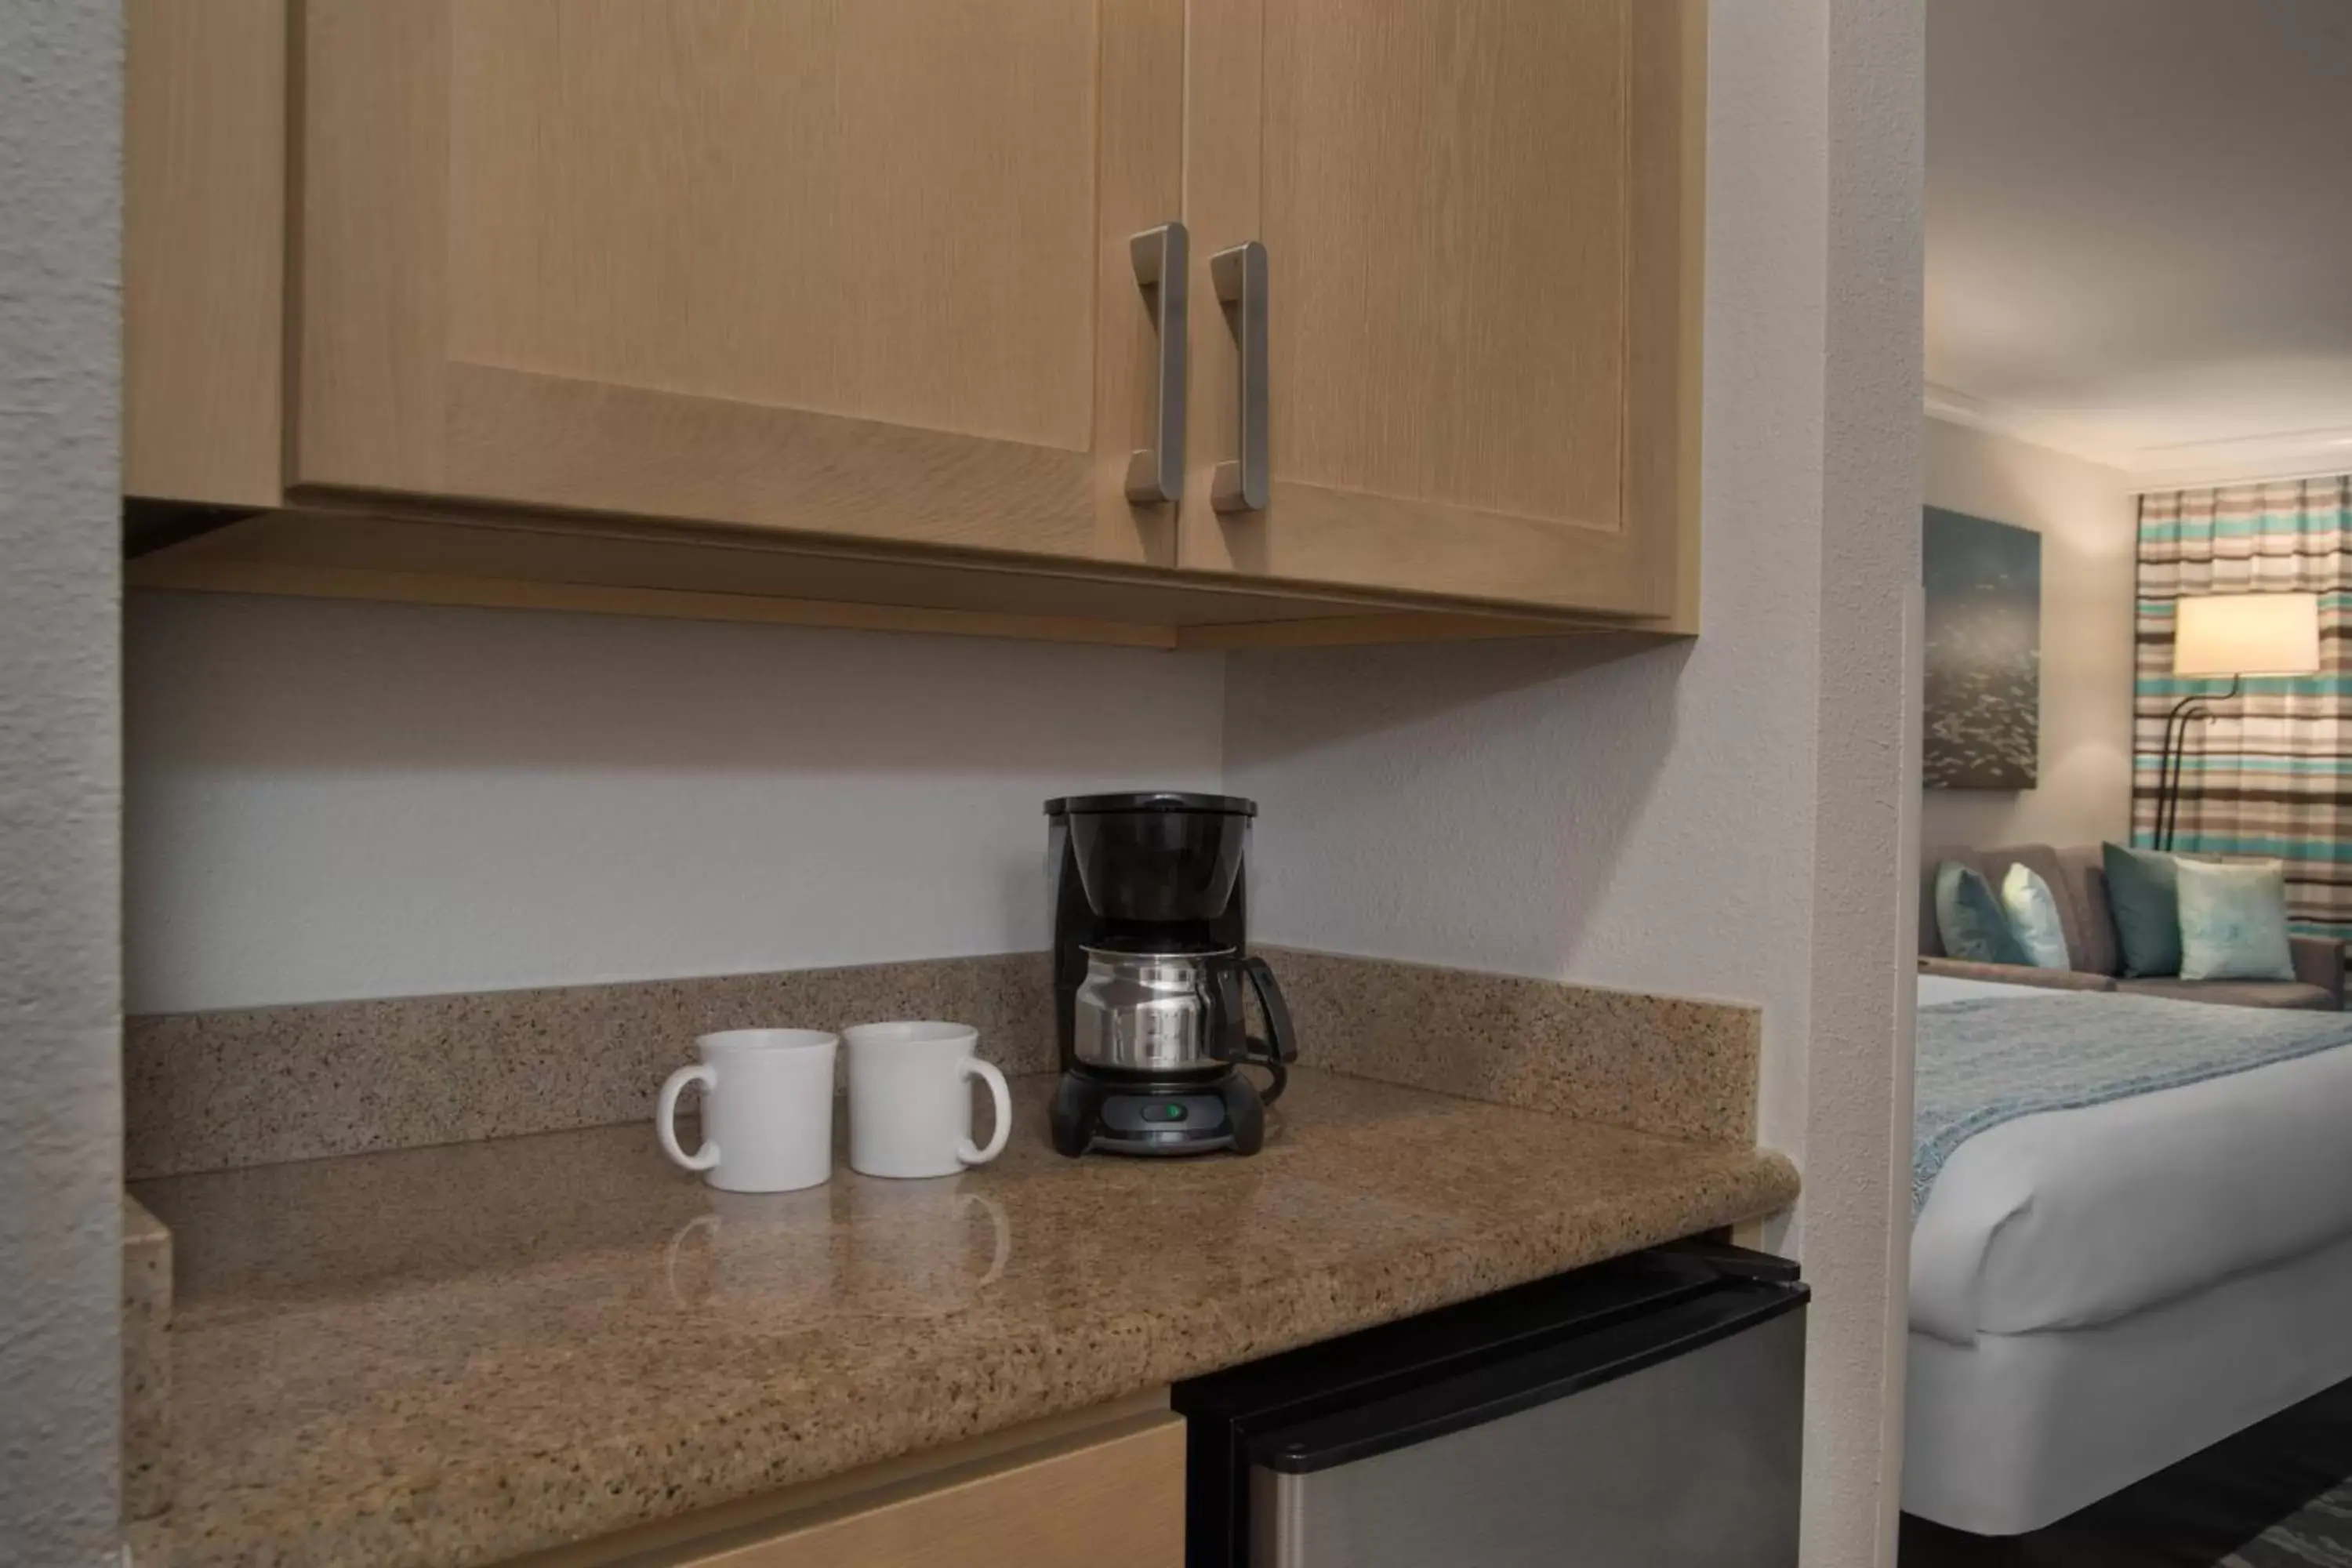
{"x": 1646, "y": 1411}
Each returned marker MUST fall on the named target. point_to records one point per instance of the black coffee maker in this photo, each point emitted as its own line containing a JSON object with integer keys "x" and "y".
{"x": 1151, "y": 956}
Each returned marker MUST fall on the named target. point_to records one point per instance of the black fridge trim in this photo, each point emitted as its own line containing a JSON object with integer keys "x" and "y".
{"x": 1491, "y": 1392}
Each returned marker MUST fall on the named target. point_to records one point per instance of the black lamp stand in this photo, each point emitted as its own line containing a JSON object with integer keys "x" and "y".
{"x": 2174, "y": 757}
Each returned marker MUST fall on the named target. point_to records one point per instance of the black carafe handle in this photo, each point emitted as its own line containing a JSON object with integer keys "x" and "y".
{"x": 1283, "y": 1046}
{"x": 1229, "y": 1035}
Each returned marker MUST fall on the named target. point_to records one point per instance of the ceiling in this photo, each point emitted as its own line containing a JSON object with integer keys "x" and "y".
{"x": 2140, "y": 228}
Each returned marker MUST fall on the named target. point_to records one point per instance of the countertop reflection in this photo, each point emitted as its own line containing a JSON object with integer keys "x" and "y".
{"x": 451, "y": 1356}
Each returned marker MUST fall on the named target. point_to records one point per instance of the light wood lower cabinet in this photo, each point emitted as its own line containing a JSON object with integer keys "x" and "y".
{"x": 1120, "y": 1497}
{"x": 858, "y": 282}
{"x": 1107, "y": 1490}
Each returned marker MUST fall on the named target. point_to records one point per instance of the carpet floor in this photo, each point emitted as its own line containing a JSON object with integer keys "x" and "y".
{"x": 2320, "y": 1531}
{"x": 2277, "y": 1495}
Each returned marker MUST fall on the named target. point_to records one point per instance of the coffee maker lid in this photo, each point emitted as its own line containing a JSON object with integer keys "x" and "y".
{"x": 1149, "y": 800}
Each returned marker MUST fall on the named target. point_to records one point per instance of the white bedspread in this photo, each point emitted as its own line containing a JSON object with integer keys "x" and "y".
{"x": 2075, "y": 1218}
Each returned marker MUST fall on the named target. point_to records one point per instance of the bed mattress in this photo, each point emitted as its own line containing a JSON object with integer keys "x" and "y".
{"x": 2016, "y": 1431}
{"x": 2075, "y": 1218}
{"x": 2098, "y": 1292}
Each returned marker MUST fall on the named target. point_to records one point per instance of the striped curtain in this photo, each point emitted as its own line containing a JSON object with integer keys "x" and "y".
{"x": 2270, "y": 775}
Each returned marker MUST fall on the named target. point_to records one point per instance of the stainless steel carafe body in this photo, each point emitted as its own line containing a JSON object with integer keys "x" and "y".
{"x": 1177, "y": 1015}
{"x": 1149, "y": 1012}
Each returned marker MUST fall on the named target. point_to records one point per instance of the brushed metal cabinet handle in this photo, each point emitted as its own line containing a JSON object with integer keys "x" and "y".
{"x": 1240, "y": 278}
{"x": 1163, "y": 261}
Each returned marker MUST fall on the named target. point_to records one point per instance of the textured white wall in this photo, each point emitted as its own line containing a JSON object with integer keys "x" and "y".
{"x": 1730, "y": 817}
{"x": 2087, "y": 520}
{"x": 60, "y": 1097}
{"x": 334, "y": 800}
{"x": 1858, "y": 1053}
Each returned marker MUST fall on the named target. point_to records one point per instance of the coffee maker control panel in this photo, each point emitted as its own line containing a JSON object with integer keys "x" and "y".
{"x": 1095, "y": 1114}
{"x": 1196, "y": 1113}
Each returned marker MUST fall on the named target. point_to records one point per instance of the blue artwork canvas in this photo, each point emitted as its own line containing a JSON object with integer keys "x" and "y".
{"x": 1984, "y": 653}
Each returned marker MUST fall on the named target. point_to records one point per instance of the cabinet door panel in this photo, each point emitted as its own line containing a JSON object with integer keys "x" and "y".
{"x": 1449, "y": 264}
{"x": 883, "y": 210}
{"x": 1468, "y": 210}
{"x": 716, "y": 259}
{"x": 1117, "y": 1498}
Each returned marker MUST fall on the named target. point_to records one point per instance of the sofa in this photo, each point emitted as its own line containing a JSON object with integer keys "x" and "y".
{"x": 2078, "y": 881}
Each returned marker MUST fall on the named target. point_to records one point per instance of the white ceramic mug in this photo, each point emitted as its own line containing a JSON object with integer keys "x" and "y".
{"x": 767, "y": 1109}
{"x": 910, "y": 1103}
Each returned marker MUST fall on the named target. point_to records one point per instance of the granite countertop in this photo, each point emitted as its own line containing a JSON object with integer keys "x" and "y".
{"x": 456, "y": 1354}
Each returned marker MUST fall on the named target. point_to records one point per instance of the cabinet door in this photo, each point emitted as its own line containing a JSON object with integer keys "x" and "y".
{"x": 1117, "y": 1498}
{"x": 858, "y": 270}
{"x": 1481, "y": 222}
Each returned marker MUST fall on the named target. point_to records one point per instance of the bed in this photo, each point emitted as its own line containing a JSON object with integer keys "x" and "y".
{"x": 2113, "y": 1275}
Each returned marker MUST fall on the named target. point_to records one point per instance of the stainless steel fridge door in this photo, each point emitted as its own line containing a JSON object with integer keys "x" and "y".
{"x": 1690, "y": 1463}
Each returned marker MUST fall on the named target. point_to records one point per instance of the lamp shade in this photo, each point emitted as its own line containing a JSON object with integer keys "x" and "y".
{"x": 2246, "y": 633}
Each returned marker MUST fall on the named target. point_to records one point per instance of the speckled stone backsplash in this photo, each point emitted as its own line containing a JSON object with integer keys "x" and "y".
{"x": 1656, "y": 1064}
{"x": 209, "y": 1091}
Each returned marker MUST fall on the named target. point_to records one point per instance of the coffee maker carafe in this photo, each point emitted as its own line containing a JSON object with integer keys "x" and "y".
{"x": 1150, "y": 959}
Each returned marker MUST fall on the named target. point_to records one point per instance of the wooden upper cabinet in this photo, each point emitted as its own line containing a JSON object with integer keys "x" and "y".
{"x": 1482, "y": 224}
{"x": 857, "y": 270}
{"x": 835, "y": 302}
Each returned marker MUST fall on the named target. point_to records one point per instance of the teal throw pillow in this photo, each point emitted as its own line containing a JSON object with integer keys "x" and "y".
{"x": 2144, "y": 892}
{"x": 1970, "y": 921}
{"x": 2234, "y": 921}
{"x": 2033, "y": 912}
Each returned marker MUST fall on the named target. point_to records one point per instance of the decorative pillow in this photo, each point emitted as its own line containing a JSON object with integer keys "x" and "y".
{"x": 2034, "y": 918}
{"x": 2234, "y": 921}
{"x": 1970, "y": 921}
{"x": 2144, "y": 892}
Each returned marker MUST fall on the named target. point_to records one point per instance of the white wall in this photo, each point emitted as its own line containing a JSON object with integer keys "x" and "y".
{"x": 335, "y": 800}
{"x": 1730, "y": 817}
{"x": 2087, "y": 520}
{"x": 60, "y": 1095}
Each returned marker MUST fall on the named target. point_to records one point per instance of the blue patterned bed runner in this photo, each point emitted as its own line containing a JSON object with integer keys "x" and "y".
{"x": 1990, "y": 1059}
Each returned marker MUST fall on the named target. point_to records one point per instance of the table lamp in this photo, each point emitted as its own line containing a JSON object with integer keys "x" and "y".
{"x": 2236, "y": 635}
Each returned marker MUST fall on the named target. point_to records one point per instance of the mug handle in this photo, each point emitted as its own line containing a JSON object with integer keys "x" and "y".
{"x": 1003, "y": 1229}
{"x": 700, "y": 1222}
{"x": 666, "y": 1117}
{"x": 966, "y": 1151}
